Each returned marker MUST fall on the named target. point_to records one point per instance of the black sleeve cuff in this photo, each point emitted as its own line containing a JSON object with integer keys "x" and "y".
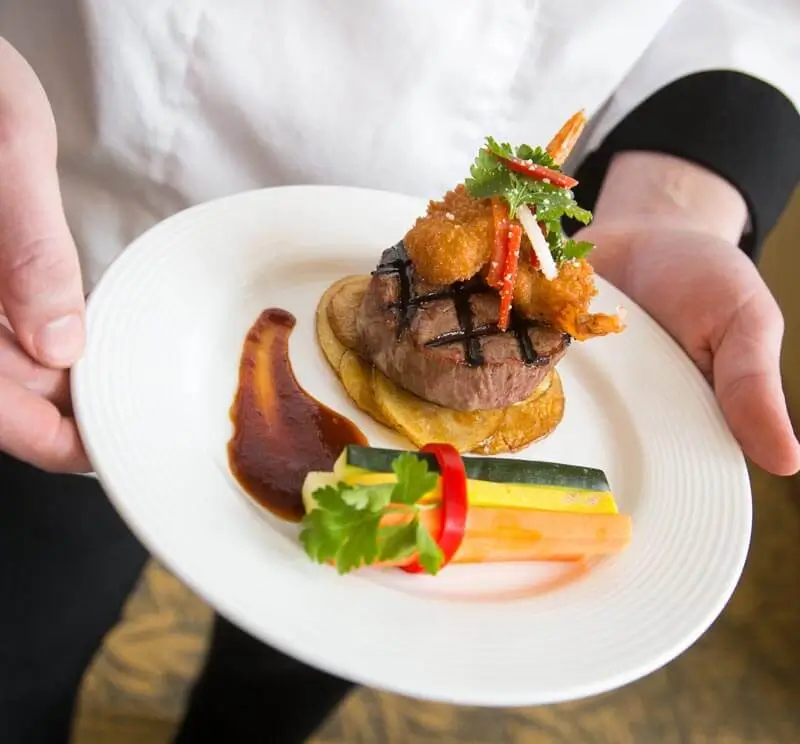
{"x": 738, "y": 126}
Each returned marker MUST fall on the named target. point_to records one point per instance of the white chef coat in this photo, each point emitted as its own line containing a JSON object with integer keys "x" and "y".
{"x": 161, "y": 104}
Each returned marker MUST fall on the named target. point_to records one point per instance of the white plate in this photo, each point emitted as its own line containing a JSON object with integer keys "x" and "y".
{"x": 165, "y": 330}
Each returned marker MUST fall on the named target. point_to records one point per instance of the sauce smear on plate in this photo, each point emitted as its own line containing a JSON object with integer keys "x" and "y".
{"x": 280, "y": 432}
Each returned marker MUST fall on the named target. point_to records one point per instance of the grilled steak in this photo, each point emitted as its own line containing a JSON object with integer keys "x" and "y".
{"x": 443, "y": 344}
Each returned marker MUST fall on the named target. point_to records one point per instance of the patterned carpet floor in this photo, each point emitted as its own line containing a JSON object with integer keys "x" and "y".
{"x": 740, "y": 684}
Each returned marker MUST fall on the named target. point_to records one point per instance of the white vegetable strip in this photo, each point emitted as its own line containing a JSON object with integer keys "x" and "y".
{"x": 538, "y": 241}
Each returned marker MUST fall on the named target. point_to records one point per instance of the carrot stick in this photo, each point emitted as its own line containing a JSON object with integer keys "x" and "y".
{"x": 496, "y": 535}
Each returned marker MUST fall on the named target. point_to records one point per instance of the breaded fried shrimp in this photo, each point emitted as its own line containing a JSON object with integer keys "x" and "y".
{"x": 564, "y": 301}
{"x": 453, "y": 240}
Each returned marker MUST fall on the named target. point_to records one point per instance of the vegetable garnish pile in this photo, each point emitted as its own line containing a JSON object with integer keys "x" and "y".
{"x": 422, "y": 511}
{"x": 529, "y": 192}
{"x": 355, "y": 524}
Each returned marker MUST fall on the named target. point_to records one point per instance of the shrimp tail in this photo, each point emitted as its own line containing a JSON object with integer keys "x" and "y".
{"x": 564, "y": 140}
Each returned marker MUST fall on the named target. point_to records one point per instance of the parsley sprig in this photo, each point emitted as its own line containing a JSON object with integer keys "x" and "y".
{"x": 489, "y": 177}
{"x": 523, "y": 152}
{"x": 345, "y": 526}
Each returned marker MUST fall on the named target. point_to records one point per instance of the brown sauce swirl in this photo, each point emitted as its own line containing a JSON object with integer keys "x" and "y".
{"x": 280, "y": 432}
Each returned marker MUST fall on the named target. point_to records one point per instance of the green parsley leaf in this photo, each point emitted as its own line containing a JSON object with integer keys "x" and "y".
{"x": 320, "y": 537}
{"x": 551, "y": 202}
{"x": 537, "y": 155}
{"x": 564, "y": 249}
{"x": 578, "y": 213}
{"x": 555, "y": 239}
{"x": 398, "y": 541}
{"x": 330, "y": 498}
{"x": 577, "y": 249}
{"x": 413, "y": 479}
{"x": 518, "y": 192}
{"x": 339, "y": 531}
{"x": 503, "y": 149}
{"x": 374, "y": 498}
{"x": 345, "y": 525}
{"x": 430, "y": 554}
{"x": 361, "y": 546}
{"x": 489, "y": 177}
{"x": 523, "y": 152}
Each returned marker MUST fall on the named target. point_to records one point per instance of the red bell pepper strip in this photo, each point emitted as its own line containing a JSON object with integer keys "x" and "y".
{"x": 539, "y": 172}
{"x": 498, "y": 258}
{"x": 509, "y": 274}
{"x": 454, "y": 502}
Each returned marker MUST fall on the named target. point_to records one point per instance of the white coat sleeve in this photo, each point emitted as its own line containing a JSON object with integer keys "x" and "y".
{"x": 720, "y": 86}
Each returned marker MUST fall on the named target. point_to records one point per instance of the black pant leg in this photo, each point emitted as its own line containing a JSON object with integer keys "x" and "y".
{"x": 249, "y": 693}
{"x": 67, "y": 564}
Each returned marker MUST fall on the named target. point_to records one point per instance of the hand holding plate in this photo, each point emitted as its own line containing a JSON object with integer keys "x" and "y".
{"x": 711, "y": 298}
{"x": 41, "y": 296}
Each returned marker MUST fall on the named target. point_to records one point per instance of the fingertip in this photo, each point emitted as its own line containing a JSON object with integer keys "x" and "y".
{"x": 34, "y": 431}
{"x": 60, "y": 342}
{"x": 757, "y": 415}
{"x": 788, "y": 463}
{"x": 781, "y": 462}
{"x": 67, "y": 454}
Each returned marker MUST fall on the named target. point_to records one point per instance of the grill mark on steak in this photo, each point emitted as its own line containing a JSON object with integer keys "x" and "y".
{"x": 396, "y": 261}
{"x": 428, "y": 357}
{"x": 473, "y": 354}
{"x": 527, "y": 352}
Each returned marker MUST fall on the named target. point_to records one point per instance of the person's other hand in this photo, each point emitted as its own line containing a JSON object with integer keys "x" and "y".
{"x": 41, "y": 294}
{"x": 710, "y": 297}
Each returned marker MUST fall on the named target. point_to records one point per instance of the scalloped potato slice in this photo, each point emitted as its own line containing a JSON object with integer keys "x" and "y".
{"x": 356, "y": 376}
{"x": 331, "y": 346}
{"x": 343, "y": 309}
{"x": 528, "y": 421}
{"x": 423, "y": 422}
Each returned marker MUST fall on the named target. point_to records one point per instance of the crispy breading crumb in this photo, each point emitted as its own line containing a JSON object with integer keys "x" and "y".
{"x": 453, "y": 241}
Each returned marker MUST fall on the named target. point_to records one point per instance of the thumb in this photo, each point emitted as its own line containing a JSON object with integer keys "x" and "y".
{"x": 40, "y": 281}
{"x": 747, "y": 381}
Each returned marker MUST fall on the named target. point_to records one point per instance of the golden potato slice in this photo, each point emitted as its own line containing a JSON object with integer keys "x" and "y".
{"x": 528, "y": 421}
{"x": 356, "y": 376}
{"x": 332, "y": 348}
{"x": 343, "y": 309}
{"x": 423, "y": 422}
